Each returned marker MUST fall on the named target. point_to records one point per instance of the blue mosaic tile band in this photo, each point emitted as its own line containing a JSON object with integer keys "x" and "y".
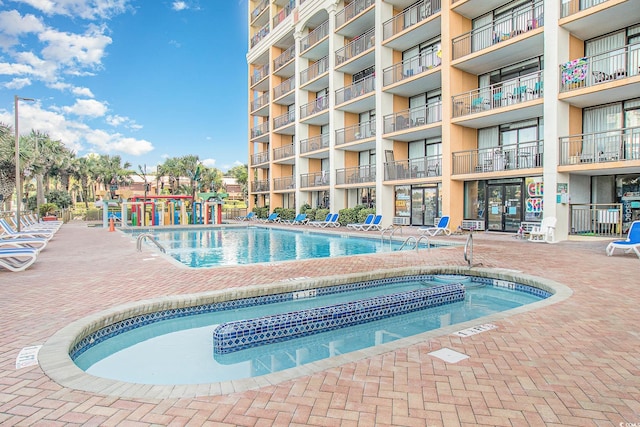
{"x": 242, "y": 334}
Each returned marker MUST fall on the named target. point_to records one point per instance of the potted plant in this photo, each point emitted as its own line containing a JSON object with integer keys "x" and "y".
{"x": 48, "y": 211}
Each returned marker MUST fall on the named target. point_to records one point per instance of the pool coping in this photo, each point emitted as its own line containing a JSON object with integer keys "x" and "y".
{"x": 55, "y": 361}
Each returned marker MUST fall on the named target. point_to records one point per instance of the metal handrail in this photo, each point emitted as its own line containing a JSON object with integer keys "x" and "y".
{"x": 392, "y": 228}
{"x": 468, "y": 250}
{"x": 150, "y": 237}
{"x": 416, "y": 242}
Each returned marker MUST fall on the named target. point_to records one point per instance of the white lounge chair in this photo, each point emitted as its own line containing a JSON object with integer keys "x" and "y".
{"x": 376, "y": 224}
{"x": 17, "y": 259}
{"x": 23, "y": 242}
{"x": 300, "y": 219}
{"x": 316, "y": 222}
{"x": 545, "y": 232}
{"x": 8, "y": 230}
{"x": 358, "y": 225}
{"x": 441, "y": 228}
{"x": 631, "y": 243}
{"x": 331, "y": 222}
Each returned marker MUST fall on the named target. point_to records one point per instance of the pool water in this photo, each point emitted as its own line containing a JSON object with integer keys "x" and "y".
{"x": 201, "y": 248}
{"x": 180, "y": 351}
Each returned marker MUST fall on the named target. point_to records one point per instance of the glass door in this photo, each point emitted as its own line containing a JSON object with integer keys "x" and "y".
{"x": 424, "y": 206}
{"x": 504, "y": 207}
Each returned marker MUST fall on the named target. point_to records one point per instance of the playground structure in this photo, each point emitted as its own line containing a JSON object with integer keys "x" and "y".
{"x": 163, "y": 210}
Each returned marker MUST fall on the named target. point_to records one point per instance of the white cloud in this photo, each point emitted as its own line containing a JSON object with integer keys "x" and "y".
{"x": 18, "y": 83}
{"x": 116, "y": 120}
{"x": 87, "y": 107}
{"x": 13, "y": 25}
{"x": 210, "y": 163}
{"x": 75, "y": 50}
{"x": 179, "y": 5}
{"x": 82, "y": 91}
{"x": 85, "y": 9}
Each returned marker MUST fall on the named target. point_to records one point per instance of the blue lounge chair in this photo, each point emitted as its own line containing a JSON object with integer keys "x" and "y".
{"x": 17, "y": 259}
{"x": 271, "y": 218}
{"x": 35, "y": 243}
{"x": 631, "y": 243}
{"x": 248, "y": 217}
{"x": 376, "y": 224}
{"x": 316, "y": 222}
{"x": 333, "y": 222}
{"x": 300, "y": 219}
{"x": 10, "y": 232}
{"x": 441, "y": 228}
{"x": 367, "y": 221}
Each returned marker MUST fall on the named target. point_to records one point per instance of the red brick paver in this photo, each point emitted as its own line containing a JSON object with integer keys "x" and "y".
{"x": 572, "y": 363}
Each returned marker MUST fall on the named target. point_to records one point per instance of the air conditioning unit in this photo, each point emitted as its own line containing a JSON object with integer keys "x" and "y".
{"x": 401, "y": 220}
{"x": 472, "y": 224}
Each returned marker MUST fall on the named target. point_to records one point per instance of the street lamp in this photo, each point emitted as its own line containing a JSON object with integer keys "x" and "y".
{"x": 16, "y": 98}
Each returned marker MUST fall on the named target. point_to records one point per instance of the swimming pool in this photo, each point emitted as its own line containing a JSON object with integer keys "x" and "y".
{"x": 213, "y": 247}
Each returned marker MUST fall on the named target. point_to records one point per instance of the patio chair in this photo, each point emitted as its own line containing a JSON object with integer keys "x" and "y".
{"x": 356, "y": 225}
{"x": 330, "y": 221}
{"x": 300, "y": 219}
{"x": 17, "y": 259}
{"x": 631, "y": 243}
{"x": 271, "y": 218}
{"x": 441, "y": 228}
{"x": 375, "y": 224}
{"x": 35, "y": 243}
{"x": 316, "y": 222}
{"x": 544, "y": 233}
{"x": 9, "y": 231}
{"x": 248, "y": 217}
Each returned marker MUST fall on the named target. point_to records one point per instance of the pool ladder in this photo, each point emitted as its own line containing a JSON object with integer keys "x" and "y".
{"x": 416, "y": 241}
{"x": 150, "y": 237}
{"x": 391, "y": 229}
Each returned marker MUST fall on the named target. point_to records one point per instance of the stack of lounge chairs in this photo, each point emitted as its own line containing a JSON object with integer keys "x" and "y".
{"x": 331, "y": 220}
{"x": 20, "y": 249}
{"x": 371, "y": 222}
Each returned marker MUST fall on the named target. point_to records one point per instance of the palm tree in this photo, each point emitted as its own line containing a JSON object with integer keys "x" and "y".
{"x": 7, "y": 163}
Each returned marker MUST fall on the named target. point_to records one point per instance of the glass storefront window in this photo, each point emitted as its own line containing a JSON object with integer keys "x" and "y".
{"x": 403, "y": 201}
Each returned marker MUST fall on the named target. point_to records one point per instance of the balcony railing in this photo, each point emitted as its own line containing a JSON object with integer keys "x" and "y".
{"x": 259, "y": 158}
{"x": 283, "y": 152}
{"x": 356, "y": 132}
{"x": 502, "y": 94}
{"x": 601, "y": 220}
{"x": 284, "y": 183}
{"x": 601, "y": 147}
{"x": 259, "y": 74}
{"x": 282, "y": 15}
{"x": 605, "y": 67}
{"x": 260, "y": 101}
{"x": 355, "y": 175}
{"x": 284, "y": 58}
{"x": 359, "y": 88}
{"x": 354, "y": 48}
{"x": 351, "y": 10}
{"x": 311, "y": 39}
{"x": 314, "y": 179}
{"x": 284, "y": 87}
{"x": 313, "y": 107}
{"x": 502, "y": 29}
{"x": 509, "y": 157}
{"x": 321, "y": 66}
{"x": 260, "y": 185}
{"x": 569, "y": 7}
{"x": 314, "y": 143}
{"x": 410, "y": 17}
{"x": 258, "y": 10}
{"x": 413, "y": 117}
{"x": 259, "y": 130}
{"x": 422, "y": 167}
{"x": 262, "y": 33}
{"x": 422, "y": 63}
{"x": 285, "y": 119}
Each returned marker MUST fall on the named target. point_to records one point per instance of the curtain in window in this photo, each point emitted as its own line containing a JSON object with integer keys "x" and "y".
{"x": 606, "y": 54}
{"x": 487, "y": 138}
{"x": 601, "y": 126}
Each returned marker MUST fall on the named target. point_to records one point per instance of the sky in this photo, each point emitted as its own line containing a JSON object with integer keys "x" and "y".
{"x": 143, "y": 79}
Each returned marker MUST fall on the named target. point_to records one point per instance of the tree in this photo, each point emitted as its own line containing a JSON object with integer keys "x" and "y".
{"x": 241, "y": 175}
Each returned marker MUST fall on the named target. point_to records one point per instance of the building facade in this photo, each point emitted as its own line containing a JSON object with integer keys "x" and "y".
{"x": 493, "y": 112}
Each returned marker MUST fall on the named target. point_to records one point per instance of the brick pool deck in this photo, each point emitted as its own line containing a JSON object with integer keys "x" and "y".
{"x": 574, "y": 363}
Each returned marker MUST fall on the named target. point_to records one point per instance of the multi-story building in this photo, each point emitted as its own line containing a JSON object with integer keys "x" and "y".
{"x": 494, "y": 112}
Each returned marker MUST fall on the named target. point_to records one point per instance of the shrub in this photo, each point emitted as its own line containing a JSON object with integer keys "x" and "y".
{"x": 285, "y": 214}
{"x": 48, "y": 209}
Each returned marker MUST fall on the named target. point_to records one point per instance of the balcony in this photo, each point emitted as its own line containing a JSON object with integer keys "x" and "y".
{"x": 414, "y": 123}
{"x": 364, "y": 133}
{"x": 282, "y": 15}
{"x": 259, "y": 158}
{"x": 260, "y": 186}
{"x": 587, "y": 19}
{"x": 260, "y": 105}
{"x": 283, "y": 65}
{"x": 354, "y": 95}
{"x": 498, "y": 159}
{"x": 284, "y": 183}
{"x": 621, "y": 145}
{"x": 356, "y": 55}
{"x": 474, "y": 8}
{"x": 314, "y": 144}
{"x": 259, "y": 35}
{"x": 316, "y": 77}
{"x": 315, "y": 112}
{"x": 260, "y": 132}
{"x": 283, "y": 94}
{"x": 314, "y": 179}
{"x": 259, "y": 79}
{"x": 315, "y": 45}
{"x": 284, "y": 124}
{"x": 414, "y": 75}
{"x": 365, "y": 174}
{"x": 284, "y": 152}
{"x": 355, "y": 18}
{"x": 258, "y": 18}
{"x": 601, "y": 79}
{"x": 506, "y": 41}
{"x": 412, "y": 26}
{"x": 423, "y": 167}
{"x": 503, "y": 102}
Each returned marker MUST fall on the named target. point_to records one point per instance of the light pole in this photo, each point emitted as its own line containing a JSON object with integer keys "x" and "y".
{"x": 39, "y": 193}
{"x": 16, "y": 98}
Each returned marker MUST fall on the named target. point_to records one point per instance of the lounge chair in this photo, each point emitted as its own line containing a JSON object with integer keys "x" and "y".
{"x": 26, "y": 224}
{"x": 9, "y": 231}
{"x": 357, "y": 226}
{"x": 271, "y": 218}
{"x": 376, "y": 224}
{"x": 441, "y": 228}
{"x": 316, "y": 222}
{"x": 300, "y": 219}
{"x": 248, "y": 217}
{"x": 23, "y": 242}
{"x": 331, "y": 222}
{"x": 17, "y": 259}
{"x": 631, "y": 243}
{"x": 545, "y": 232}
